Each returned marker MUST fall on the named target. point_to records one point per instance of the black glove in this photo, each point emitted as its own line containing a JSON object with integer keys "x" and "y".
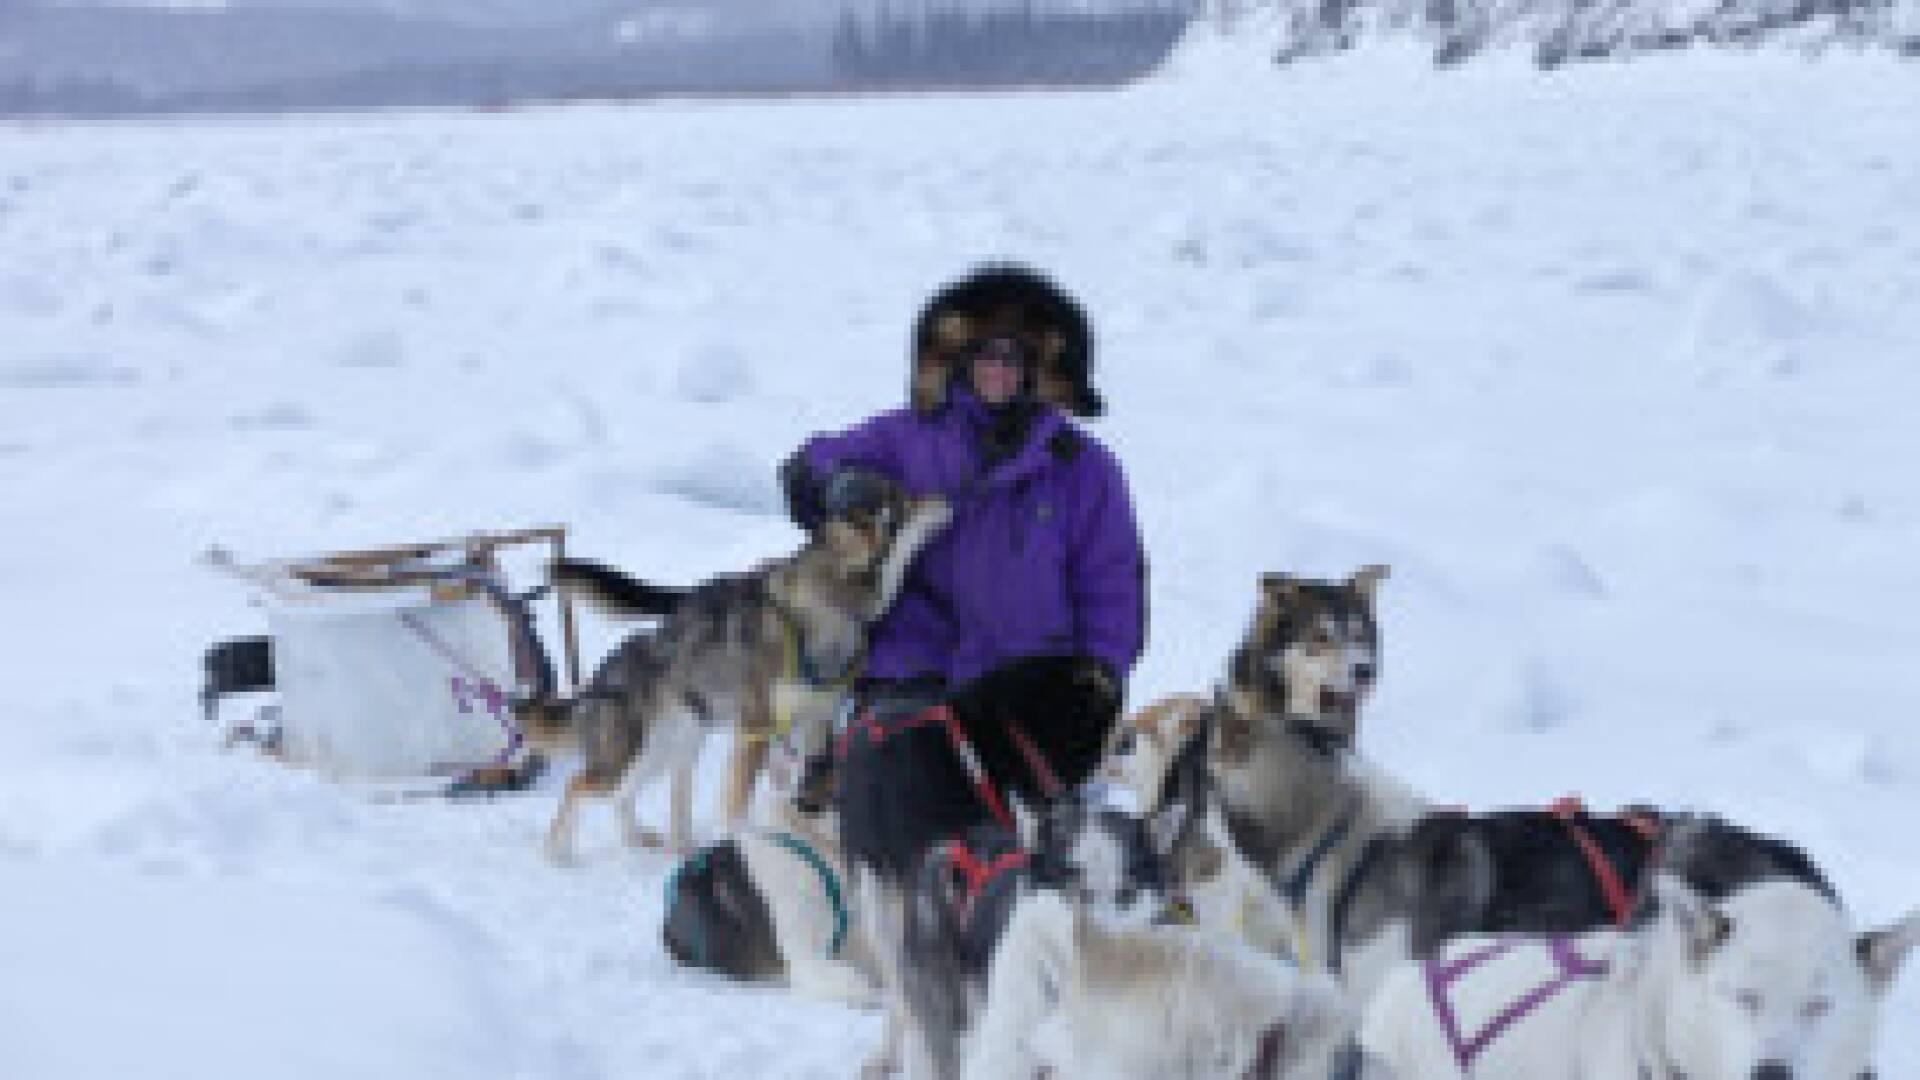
{"x": 1103, "y": 689}
{"x": 850, "y": 488}
{"x": 1087, "y": 680}
{"x": 812, "y": 498}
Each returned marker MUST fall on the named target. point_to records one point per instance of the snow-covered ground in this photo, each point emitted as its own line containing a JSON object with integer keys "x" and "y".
{"x": 1615, "y": 367}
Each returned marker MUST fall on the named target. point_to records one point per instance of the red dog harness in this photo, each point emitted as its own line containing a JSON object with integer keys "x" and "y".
{"x": 974, "y": 875}
{"x": 1620, "y": 899}
{"x": 878, "y": 731}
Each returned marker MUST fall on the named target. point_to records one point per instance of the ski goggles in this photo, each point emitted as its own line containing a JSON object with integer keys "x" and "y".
{"x": 1003, "y": 349}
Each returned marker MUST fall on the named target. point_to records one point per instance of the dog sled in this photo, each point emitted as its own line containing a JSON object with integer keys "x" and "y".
{"x": 408, "y": 666}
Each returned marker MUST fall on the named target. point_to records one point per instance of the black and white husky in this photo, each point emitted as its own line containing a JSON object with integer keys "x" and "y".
{"x": 955, "y": 907}
{"x": 1769, "y": 983}
{"x": 1224, "y": 891}
{"x": 773, "y": 904}
{"x": 1375, "y": 875}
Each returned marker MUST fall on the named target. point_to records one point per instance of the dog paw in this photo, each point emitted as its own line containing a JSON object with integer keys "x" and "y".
{"x": 560, "y": 854}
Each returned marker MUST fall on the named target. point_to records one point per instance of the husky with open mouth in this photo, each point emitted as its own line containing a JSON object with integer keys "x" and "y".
{"x": 1372, "y": 874}
{"x": 1313, "y": 648}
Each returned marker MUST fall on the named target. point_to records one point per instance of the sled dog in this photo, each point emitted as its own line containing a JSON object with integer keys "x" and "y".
{"x": 773, "y": 904}
{"x": 1223, "y": 890}
{"x": 739, "y": 649}
{"x": 953, "y": 909}
{"x": 1071, "y": 998}
{"x": 1313, "y": 648}
{"x": 1372, "y": 874}
{"x": 1768, "y": 983}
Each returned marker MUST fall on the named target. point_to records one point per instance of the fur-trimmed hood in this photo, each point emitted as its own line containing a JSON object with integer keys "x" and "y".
{"x": 1006, "y": 298}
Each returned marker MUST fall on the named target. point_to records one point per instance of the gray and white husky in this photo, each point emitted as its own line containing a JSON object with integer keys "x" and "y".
{"x": 1375, "y": 876}
{"x": 1370, "y": 872}
{"x": 727, "y": 653}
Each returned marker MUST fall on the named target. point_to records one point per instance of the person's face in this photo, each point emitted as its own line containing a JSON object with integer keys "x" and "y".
{"x": 997, "y": 371}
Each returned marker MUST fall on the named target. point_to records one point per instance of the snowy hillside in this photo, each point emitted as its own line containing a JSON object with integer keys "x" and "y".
{"x": 1614, "y": 367}
{"x": 1556, "y": 32}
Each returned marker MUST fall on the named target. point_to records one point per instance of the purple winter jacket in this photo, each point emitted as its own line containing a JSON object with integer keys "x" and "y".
{"x": 1043, "y": 556}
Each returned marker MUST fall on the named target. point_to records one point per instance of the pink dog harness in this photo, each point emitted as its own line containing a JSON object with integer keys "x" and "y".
{"x": 1570, "y": 967}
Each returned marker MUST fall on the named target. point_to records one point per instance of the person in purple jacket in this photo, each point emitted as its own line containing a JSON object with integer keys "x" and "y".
{"x": 1027, "y": 614}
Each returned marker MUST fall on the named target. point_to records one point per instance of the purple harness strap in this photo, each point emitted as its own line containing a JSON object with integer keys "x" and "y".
{"x": 1573, "y": 967}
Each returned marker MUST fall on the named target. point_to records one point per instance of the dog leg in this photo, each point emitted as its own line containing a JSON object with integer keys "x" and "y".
{"x": 880, "y": 924}
{"x": 644, "y": 768}
{"x": 672, "y": 750}
{"x": 1027, "y": 976}
{"x": 749, "y": 756}
{"x": 806, "y": 921}
{"x": 560, "y": 835}
{"x": 680, "y": 808}
{"x": 632, "y": 833}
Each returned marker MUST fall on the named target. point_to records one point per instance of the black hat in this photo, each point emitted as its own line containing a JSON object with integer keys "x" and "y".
{"x": 1002, "y": 299}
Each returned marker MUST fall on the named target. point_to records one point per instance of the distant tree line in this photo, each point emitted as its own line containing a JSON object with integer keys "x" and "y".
{"x": 769, "y": 64}
{"x": 75, "y": 95}
{"x": 1010, "y": 45}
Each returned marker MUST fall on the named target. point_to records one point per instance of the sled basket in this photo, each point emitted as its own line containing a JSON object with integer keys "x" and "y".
{"x": 400, "y": 662}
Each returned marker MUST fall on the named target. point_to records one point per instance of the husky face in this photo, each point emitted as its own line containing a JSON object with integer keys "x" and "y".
{"x": 859, "y": 537}
{"x": 1771, "y": 984}
{"x": 1112, "y": 863}
{"x": 1142, "y": 746}
{"x": 1313, "y": 648}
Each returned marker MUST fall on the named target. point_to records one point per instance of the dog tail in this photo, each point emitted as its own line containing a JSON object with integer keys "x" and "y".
{"x": 612, "y": 592}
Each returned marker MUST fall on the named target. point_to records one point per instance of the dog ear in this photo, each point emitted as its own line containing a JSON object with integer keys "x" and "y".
{"x": 1883, "y": 951}
{"x": 1278, "y": 589}
{"x": 1366, "y": 580}
{"x": 1704, "y": 927}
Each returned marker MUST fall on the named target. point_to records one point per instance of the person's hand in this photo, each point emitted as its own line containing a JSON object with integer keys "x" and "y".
{"x": 851, "y": 488}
